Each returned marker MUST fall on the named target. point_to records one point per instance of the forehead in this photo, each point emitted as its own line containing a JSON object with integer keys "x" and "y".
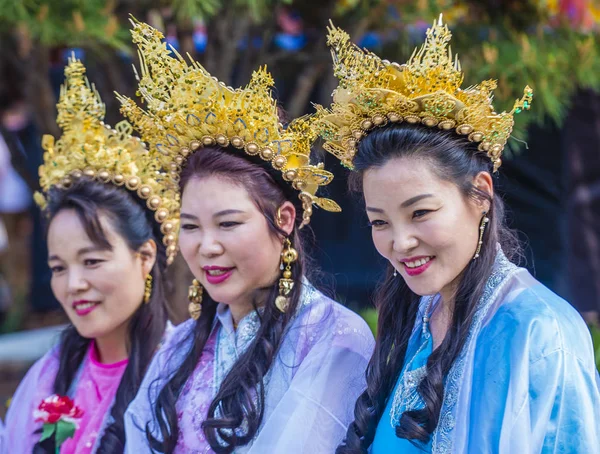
{"x": 209, "y": 195}
{"x": 67, "y": 235}
{"x": 400, "y": 179}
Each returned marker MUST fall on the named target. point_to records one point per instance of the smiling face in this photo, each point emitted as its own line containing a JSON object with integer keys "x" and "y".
{"x": 424, "y": 226}
{"x": 226, "y": 240}
{"x": 100, "y": 289}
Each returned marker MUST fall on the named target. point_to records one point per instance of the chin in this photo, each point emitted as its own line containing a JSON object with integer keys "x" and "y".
{"x": 222, "y": 295}
{"x": 423, "y": 289}
{"x": 89, "y": 332}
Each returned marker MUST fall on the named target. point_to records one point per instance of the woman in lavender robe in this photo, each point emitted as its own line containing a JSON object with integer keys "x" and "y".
{"x": 248, "y": 376}
{"x": 108, "y": 264}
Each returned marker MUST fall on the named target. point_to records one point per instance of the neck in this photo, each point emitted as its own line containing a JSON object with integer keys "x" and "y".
{"x": 238, "y": 312}
{"x": 240, "y": 309}
{"x": 112, "y": 348}
{"x": 440, "y": 319}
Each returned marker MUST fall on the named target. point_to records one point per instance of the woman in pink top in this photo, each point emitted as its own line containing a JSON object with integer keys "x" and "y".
{"x": 110, "y": 237}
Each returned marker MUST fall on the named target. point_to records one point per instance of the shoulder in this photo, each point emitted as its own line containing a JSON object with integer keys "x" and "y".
{"x": 532, "y": 315}
{"x": 175, "y": 344}
{"x": 175, "y": 335}
{"x": 324, "y": 319}
{"x": 35, "y": 386}
{"x": 45, "y": 368}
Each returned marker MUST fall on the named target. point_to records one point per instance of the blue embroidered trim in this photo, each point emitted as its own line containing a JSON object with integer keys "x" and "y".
{"x": 442, "y": 440}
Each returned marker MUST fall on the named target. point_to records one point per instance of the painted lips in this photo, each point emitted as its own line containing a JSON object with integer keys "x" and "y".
{"x": 418, "y": 265}
{"x": 217, "y": 274}
{"x": 84, "y": 307}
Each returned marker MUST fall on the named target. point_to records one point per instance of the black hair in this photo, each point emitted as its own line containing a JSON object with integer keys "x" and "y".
{"x": 454, "y": 159}
{"x": 134, "y": 222}
{"x": 236, "y": 412}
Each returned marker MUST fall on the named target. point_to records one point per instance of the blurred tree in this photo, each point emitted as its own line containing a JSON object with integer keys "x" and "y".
{"x": 554, "y": 45}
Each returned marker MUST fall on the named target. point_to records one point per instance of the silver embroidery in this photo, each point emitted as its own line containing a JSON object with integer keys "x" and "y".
{"x": 442, "y": 440}
{"x": 230, "y": 346}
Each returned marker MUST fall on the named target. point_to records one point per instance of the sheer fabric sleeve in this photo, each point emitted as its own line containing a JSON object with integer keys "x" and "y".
{"x": 533, "y": 394}
{"x": 19, "y": 432}
{"x": 316, "y": 406}
{"x": 140, "y": 412}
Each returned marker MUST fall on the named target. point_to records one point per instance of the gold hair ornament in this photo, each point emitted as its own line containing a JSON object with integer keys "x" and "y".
{"x": 187, "y": 109}
{"x": 426, "y": 90}
{"x": 91, "y": 149}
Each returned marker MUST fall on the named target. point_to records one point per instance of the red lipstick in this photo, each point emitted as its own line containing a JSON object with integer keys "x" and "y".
{"x": 215, "y": 279}
{"x": 84, "y": 307}
{"x": 419, "y": 269}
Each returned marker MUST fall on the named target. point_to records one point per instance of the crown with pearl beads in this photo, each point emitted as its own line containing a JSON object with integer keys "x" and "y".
{"x": 89, "y": 148}
{"x": 187, "y": 109}
{"x": 426, "y": 90}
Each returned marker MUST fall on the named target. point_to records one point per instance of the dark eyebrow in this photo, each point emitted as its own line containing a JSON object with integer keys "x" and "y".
{"x": 375, "y": 210}
{"x": 226, "y": 212}
{"x": 414, "y": 200}
{"x": 188, "y": 216}
{"x": 80, "y": 252}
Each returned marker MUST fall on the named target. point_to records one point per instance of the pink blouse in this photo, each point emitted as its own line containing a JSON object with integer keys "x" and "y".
{"x": 94, "y": 394}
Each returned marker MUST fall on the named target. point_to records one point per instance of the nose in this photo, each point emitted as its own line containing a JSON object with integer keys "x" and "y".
{"x": 76, "y": 281}
{"x": 404, "y": 241}
{"x": 209, "y": 245}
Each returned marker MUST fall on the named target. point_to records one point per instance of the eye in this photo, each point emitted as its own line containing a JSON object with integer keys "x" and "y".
{"x": 420, "y": 213}
{"x": 92, "y": 262}
{"x": 188, "y": 226}
{"x": 377, "y": 224}
{"x": 57, "y": 269}
{"x": 228, "y": 224}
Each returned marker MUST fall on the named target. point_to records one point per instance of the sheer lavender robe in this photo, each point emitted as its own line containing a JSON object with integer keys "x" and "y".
{"x": 310, "y": 389}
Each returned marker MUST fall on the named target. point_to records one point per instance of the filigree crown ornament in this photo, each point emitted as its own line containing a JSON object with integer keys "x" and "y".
{"x": 88, "y": 148}
{"x": 187, "y": 109}
{"x": 426, "y": 90}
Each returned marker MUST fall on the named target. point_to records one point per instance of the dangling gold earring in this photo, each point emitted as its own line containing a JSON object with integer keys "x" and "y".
{"x": 484, "y": 221}
{"x": 288, "y": 256}
{"x": 148, "y": 290}
{"x": 195, "y": 299}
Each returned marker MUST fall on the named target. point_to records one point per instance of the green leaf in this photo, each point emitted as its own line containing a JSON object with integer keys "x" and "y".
{"x": 64, "y": 430}
{"x": 47, "y": 431}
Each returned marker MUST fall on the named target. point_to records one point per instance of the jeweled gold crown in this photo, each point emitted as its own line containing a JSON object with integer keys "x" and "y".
{"x": 89, "y": 148}
{"x": 426, "y": 90}
{"x": 188, "y": 109}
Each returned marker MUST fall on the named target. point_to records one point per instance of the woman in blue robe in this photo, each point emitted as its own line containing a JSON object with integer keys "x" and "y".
{"x": 473, "y": 354}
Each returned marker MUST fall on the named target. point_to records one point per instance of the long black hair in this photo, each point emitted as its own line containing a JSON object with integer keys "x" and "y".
{"x": 452, "y": 159}
{"x": 135, "y": 223}
{"x": 239, "y": 414}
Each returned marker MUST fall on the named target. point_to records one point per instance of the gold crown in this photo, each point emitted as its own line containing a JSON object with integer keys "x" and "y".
{"x": 188, "y": 109}
{"x": 426, "y": 90}
{"x": 89, "y": 148}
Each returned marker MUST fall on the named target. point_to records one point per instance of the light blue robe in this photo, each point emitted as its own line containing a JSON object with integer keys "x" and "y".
{"x": 525, "y": 381}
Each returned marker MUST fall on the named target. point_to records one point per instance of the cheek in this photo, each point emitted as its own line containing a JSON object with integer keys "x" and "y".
{"x": 382, "y": 241}
{"x": 454, "y": 232}
{"x": 58, "y": 284}
{"x": 188, "y": 246}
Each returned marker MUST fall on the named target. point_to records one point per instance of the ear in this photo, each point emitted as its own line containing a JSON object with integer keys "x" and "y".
{"x": 483, "y": 181}
{"x": 147, "y": 253}
{"x": 286, "y": 218}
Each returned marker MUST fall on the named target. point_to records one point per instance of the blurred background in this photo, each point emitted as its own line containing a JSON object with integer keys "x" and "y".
{"x": 550, "y": 178}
